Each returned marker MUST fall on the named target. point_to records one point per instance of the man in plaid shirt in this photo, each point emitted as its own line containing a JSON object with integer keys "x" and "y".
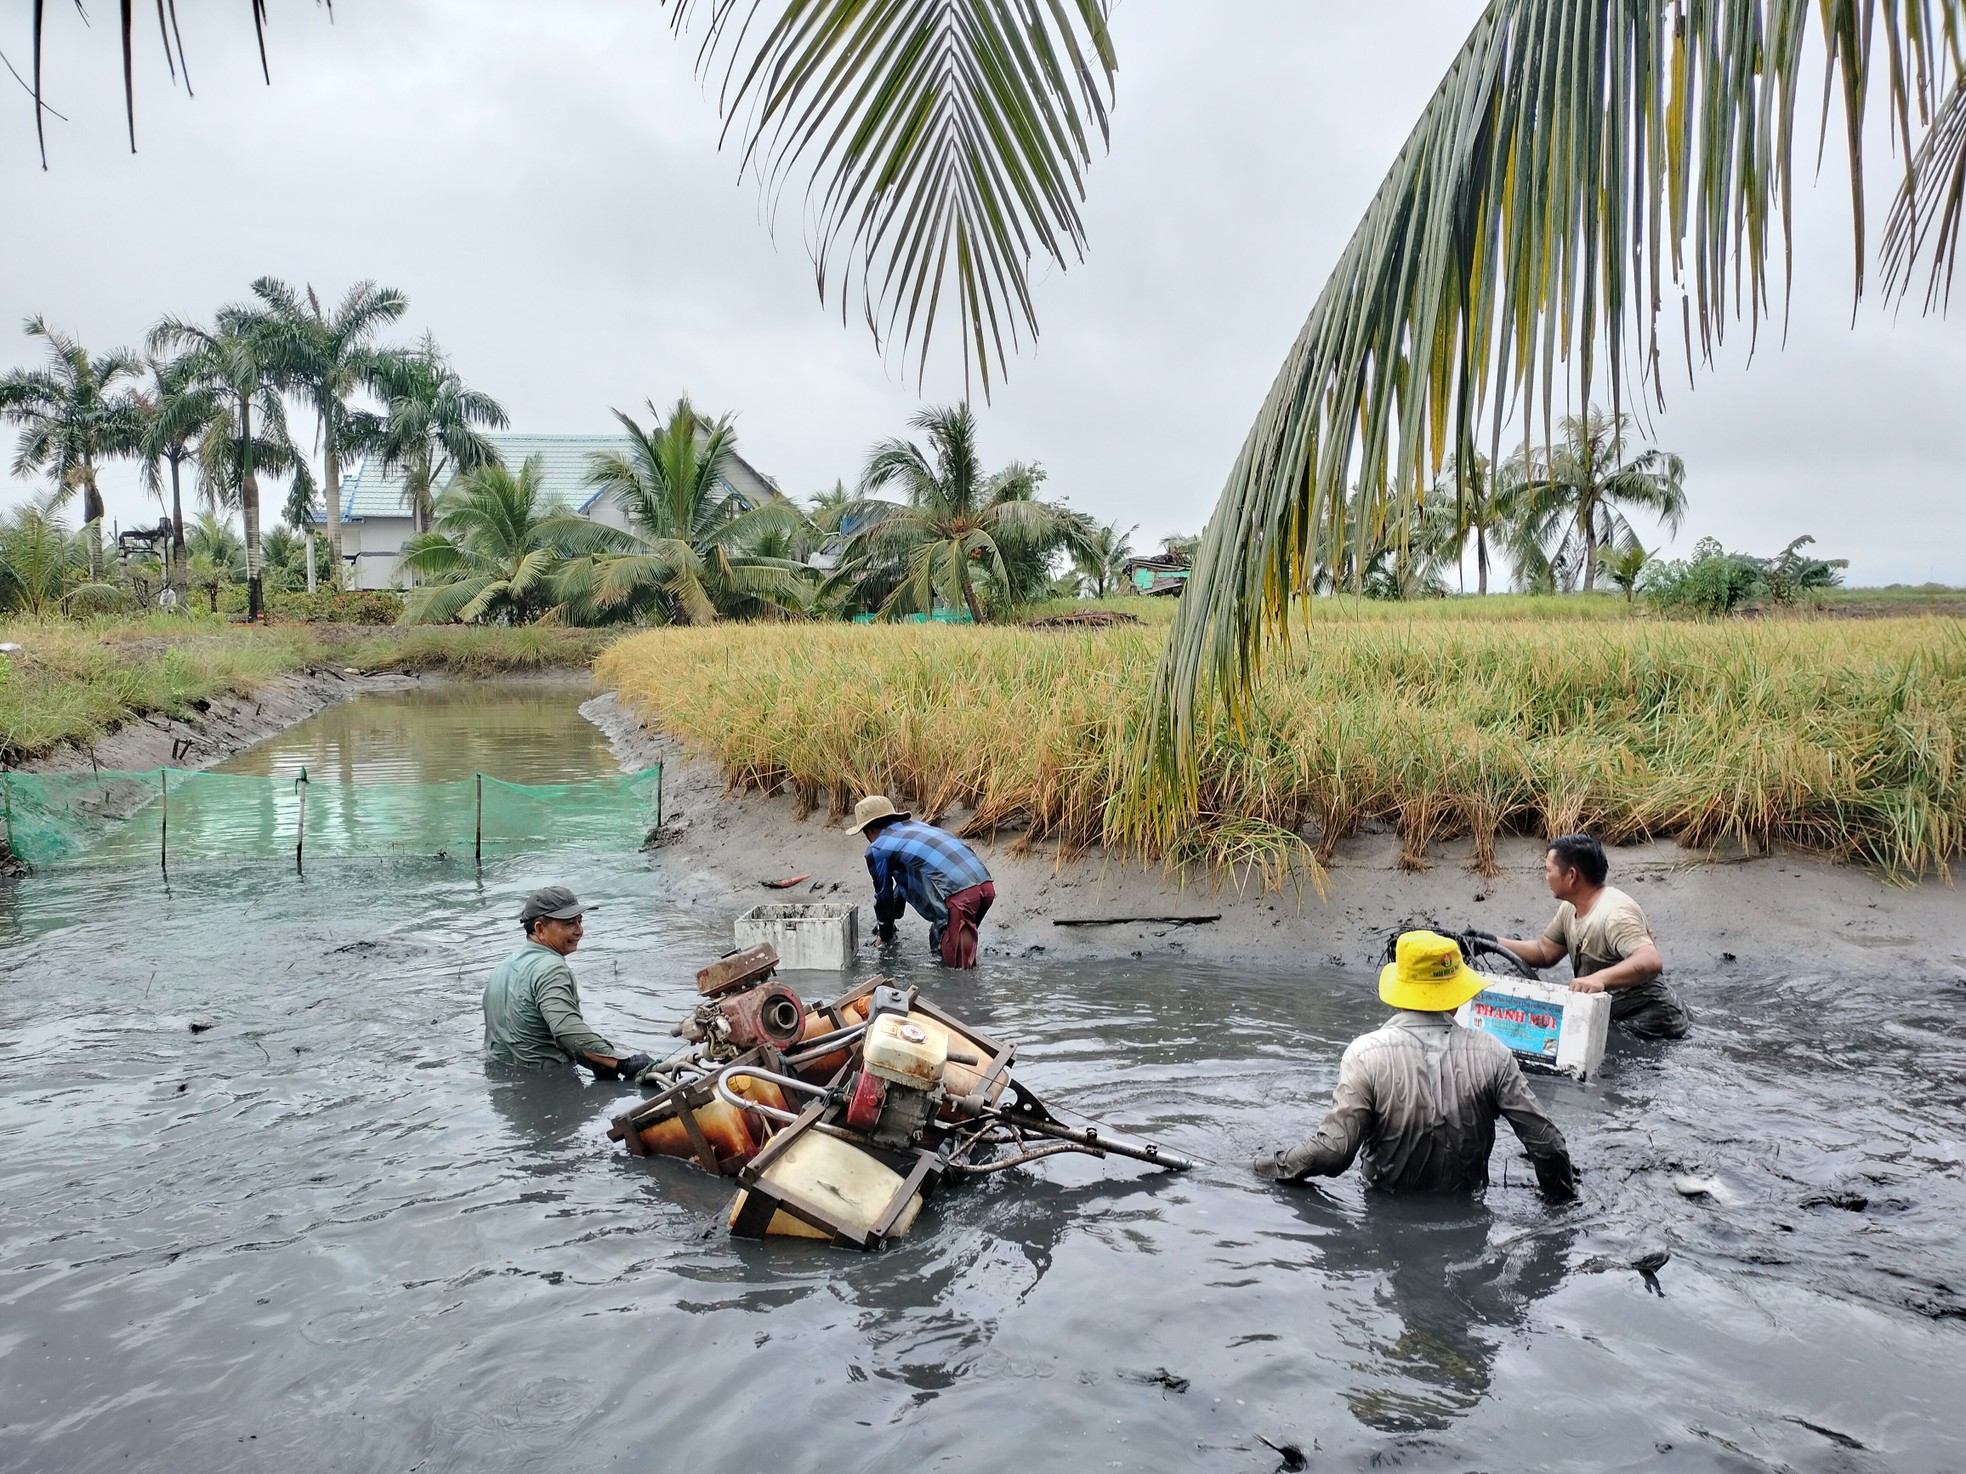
{"x": 928, "y": 868}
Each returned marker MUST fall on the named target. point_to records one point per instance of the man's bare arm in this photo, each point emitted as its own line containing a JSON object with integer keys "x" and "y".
{"x": 1642, "y": 966}
{"x": 1536, "y": 951}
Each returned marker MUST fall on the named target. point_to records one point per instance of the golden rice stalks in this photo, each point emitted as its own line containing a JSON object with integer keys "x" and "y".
{"x": 1843, "y": 738}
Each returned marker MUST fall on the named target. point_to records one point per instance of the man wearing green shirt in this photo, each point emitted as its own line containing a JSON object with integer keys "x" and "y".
{"x": 532, "y": 1008}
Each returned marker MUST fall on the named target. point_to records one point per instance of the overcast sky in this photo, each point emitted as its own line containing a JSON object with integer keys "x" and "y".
{"x": 543, "y": 181}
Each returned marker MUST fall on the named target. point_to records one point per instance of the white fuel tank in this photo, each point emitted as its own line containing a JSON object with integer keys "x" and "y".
{"x": 903, "y": 1052}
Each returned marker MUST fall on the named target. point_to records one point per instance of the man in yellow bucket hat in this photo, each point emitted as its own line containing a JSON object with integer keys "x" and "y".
{"x": 1419, "y": 1096}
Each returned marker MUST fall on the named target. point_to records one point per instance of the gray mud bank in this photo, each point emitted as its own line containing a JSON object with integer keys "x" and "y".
{"x": 1712, "y": 914}
{"x": 227, "y": 725}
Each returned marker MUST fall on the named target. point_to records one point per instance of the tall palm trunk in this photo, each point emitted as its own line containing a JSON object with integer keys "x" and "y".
{"x": 969, "y": 591}
{"x": 249, "y": 507}
{"x": 333, "y": 499}
{"x": 1481, "y": 560}
{"x": 92, "y": 514}
{"x": 178, "y": 562}
{"x": 1587, "y": 522}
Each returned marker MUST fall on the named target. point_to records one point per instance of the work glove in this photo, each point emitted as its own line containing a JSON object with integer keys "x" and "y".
{"x": 631, "y": 1068}
{"x": 1270, "y": 1165}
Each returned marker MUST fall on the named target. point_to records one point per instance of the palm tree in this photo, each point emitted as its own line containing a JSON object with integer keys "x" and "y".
{"x": 954, "y": 518}
{"x": 431, "y": 423}
{"x": 1565, "y": 506}
{"x": 42, "y": 563}
{"x": 1467, "y": 490}
{"x": 326, "y": 358}
{"x": 177, "y": 414}
{"x": 73, "y": 416}
{"x": 696, "y": 549}
{"x": 1102, "y": 562}
{"x": 238, "y": 360}
{"x": 1626, "y": 569}
{"x": 495, "y": 550}
{"x": 218, "y": 557}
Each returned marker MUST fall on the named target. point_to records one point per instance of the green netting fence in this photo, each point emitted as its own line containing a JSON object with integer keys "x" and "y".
{"x": 166, "y": 816}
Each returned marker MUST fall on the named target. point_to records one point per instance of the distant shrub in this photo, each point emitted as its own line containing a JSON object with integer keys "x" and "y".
{"x": 1715, "y": 581}
{"x": 349, "y": 606}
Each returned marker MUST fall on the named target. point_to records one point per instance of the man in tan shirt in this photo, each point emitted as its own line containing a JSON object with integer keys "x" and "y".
{"x": 1417, "y": 1100}
{"x": 1605, "y": 936}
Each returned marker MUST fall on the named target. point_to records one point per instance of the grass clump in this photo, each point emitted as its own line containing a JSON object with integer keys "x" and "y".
{"x": 473, "y": 650}
{"x": 1844, "y": 738}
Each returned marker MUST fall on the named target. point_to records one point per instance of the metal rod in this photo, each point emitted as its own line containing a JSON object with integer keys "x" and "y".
{"x": 821, "y": 1045}
{"x": 1091, "y": 1137}
{"x": 164, "y": 828}
{"x": 300, "y": 829}
{"x": 478, "y": 842}
{"x": 783, "y": 1082}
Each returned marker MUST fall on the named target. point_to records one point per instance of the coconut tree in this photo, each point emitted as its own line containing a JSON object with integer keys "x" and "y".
{"x": 1467, "y": 492}
{"x": 217, "y": 556}
{"x": 495, "y": 549}
{"x": 178, "y": 412}
{"x": 1565, "y": 506}
{"x": 1101, "y": 563}
{"x": 326, "y": 357}
{"x": 697, "y": 548}
{"x": 74, "y": 414}
{"x": 953, "y": 521}
{"x": 238, "y": 360}
{"x": 432, "y": 423}
{"x": 42, "y": 563}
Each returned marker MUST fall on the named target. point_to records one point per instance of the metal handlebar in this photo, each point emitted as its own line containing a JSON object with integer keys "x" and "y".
{"x": 752, "y": 1072}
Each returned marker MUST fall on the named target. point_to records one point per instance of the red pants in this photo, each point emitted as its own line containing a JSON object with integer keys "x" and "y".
{"x": 966, "y": 909}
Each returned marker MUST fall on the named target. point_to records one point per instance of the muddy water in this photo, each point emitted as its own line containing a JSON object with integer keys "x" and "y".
{"x": 521, "y": 731}
{"x": 320, "y": 1234}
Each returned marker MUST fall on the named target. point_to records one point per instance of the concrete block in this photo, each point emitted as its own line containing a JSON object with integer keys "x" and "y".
{"x": 817, "y": 936}
{"x": 1545, "y": 1025}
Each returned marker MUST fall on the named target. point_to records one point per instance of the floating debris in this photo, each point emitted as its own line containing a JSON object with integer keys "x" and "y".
{"x": 1292, "y": 1456}
{"x": 1689, "y": 1186}
{"x": 1849, "y": 1202}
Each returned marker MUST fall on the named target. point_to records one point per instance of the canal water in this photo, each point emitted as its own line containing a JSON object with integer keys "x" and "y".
{"x": 315, "y": 1232}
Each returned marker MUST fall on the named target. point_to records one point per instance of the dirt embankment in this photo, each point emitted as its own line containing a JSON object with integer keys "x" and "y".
{"x": 1711, "y": 912}
{"x": 227, "y": 724}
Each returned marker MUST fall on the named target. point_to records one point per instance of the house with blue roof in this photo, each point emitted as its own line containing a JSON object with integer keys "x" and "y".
{"x": 375, "y": 509}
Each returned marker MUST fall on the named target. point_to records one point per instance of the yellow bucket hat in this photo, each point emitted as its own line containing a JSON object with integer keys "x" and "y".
{"x": 1428, "y": 974}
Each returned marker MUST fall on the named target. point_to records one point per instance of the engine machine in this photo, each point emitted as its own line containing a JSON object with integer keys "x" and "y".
{"x": 839, "y": 1117}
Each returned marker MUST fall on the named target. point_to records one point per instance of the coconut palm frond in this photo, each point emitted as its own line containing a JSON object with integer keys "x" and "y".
{"x": 943, "y": 142}
{"x": 1925, "y": 219}
{"x": 1582, "y": 164}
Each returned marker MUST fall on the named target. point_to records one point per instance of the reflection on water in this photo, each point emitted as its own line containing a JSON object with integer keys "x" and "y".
{"x": 521, "y": 731}
{"x": 441, "y": 771}
{"x": 322, "y": 1234}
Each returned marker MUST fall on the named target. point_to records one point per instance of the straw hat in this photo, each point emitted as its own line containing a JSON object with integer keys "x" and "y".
{"x": 875, "y": 806}
{"x": 1428, "y": 975}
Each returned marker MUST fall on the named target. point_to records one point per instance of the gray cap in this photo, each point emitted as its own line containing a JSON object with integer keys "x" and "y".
{"x": 554, "y": 901}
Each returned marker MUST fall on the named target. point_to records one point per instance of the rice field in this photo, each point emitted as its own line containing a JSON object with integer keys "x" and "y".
{"x": 1843, "y": 738}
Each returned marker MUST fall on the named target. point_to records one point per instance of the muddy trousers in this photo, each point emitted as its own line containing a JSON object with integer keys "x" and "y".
{"x": 967, "y": 908}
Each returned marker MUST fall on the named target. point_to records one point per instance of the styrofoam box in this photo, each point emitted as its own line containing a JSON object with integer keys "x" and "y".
{"x": 1544, "y": 1024}
{"x": 817, "y": 935}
